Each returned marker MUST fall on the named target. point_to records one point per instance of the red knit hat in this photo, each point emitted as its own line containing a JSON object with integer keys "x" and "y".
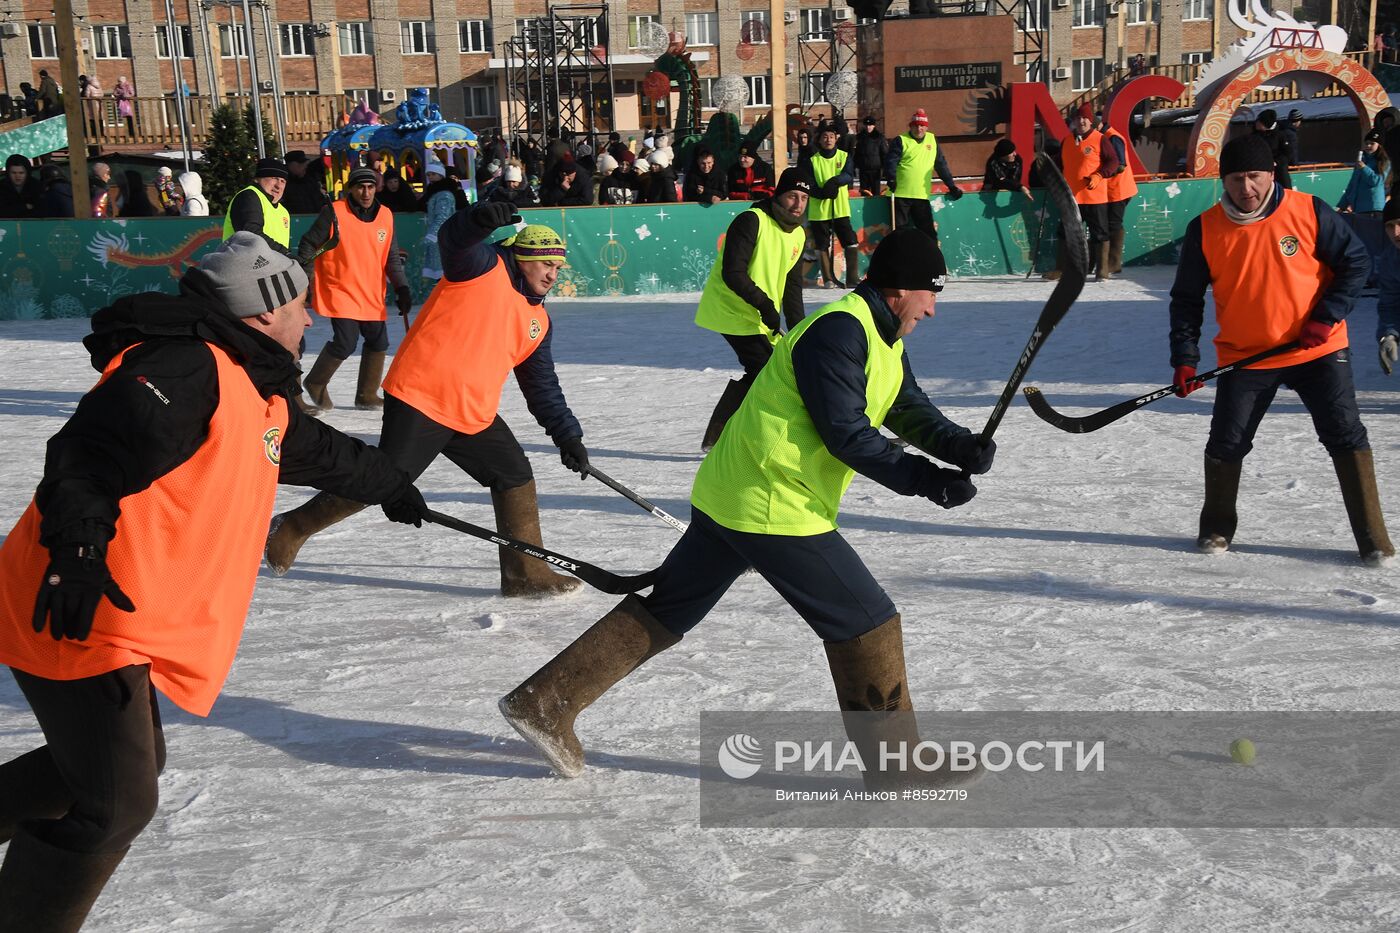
{"x": 1085, "y": 111}
{"x": 919, "y": 118}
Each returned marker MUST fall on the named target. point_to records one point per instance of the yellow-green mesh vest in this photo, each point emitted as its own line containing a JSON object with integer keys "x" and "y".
{"x": 775, "y": 252}
{"x": 823, "y": 170}
{"x": 770, "y": 473}
{"x": 277, "y": 223}
{"x": 913, "y": 177}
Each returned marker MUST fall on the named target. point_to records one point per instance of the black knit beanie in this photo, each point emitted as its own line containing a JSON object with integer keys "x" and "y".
{"x": 907, "y": 258}
{"x": 1248, "y": 153}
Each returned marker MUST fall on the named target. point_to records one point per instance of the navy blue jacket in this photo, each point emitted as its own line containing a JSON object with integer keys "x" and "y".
{"x": 466, "y": 255}
{"x": 1337, "y": 246}
{"x": 828, "y": 361}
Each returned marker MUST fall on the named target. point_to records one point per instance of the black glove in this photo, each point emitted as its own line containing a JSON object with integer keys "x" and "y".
{"x": 967, "y": 452}
{"x": 947, "y": 488}
{"x": 407, "y": 508}
{"x": 492, "y": 214}
{"x": 890, "y": 186}
{"x": 76, "y": 580}
{"x": 829, "y": 190}
{"x": 771, "y": 320}
{"x": 954, "y": 193}
{"x": 574, "y": 455}
{"x": 403, "y": 297}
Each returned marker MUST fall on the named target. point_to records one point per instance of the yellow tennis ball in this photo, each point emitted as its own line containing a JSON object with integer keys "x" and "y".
{"x": 1242, "y": 751}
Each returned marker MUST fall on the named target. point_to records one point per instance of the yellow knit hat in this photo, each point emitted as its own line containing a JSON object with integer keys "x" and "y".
{"x": 537, "y": 243}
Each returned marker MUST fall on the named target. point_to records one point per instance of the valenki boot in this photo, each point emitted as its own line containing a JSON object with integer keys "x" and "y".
{"x": 873, "y": 693}
{"x": 318, "y": 379}
{"x": 45, "y": 889}
{"x": 852, "y": 266}
{"x": 367, "y": 396}
{"x": 290, "y": 530}
{"x": 518, "y": 517}
{"x": 828, "y": 271}
{"x": 1100, "y": 254}
{"x": 544, "y": 707}
{"x": 1218, "y": 518}
{"x": 1356, "y": 473}
{"x": 1061, "y": 261}
{"x": 1115, "y": 251}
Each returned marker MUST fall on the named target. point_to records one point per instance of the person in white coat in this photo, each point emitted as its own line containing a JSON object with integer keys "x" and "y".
{"x": 193, "y": 187}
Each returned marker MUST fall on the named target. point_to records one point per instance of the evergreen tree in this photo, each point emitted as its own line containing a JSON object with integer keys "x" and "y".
{"x": 231, "y": 156}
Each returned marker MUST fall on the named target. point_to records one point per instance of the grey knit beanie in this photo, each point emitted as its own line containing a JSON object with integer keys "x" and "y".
{"x": 251, "y": 277}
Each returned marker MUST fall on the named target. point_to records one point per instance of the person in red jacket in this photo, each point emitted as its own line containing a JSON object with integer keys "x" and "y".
{"x": 1283, "y": 267}
{"x": 133, "y": 568}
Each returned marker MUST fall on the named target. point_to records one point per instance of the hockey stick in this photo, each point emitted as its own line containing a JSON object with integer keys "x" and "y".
{"x": 1100, "y": 419}
{"x": 607, "y": 480}
{"x": 1039, "y": 232}
{"x": 595, "y": 577}
{"x": 1067, "y": 289}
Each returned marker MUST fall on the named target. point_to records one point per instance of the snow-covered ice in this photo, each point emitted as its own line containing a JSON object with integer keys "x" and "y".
{"x": 356, "y": 776}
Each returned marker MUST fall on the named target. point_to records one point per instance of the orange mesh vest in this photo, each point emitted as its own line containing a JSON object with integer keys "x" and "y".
{"x": 1123, "y": 185}
{"x": 350, "y": 278}
{"x": 1267, "y": 279}
{"x": 454, "y": 362}
{"x": 186, "y": 551}
{"x": 1080, "y": 159}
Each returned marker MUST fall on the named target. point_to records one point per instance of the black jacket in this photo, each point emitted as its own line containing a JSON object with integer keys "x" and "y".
{"x": 659, "y": 186}
{"x": 57, "y": 200}
{"x": 1003, "y": 176}
{"x": 524, "y": 196}
{"x": 123, "y": 437}
{"x": 829, "y": 366}
{"x": 714, "y": 183}
{"x": 26, "y": 202}
{"x": 578, "y": 194}
{"x": 870, "y": 151}
{"x": 620, "y": 187}
{"x": 304, "y": 195}
{"x": 466, "y": 255}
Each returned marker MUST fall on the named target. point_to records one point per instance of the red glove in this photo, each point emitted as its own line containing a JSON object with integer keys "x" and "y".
{"x": 1184, "y": 381}
{"x": 1314, "y": 334}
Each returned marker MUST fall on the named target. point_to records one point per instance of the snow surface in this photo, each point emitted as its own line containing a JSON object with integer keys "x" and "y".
{"x": 355, "y": 775}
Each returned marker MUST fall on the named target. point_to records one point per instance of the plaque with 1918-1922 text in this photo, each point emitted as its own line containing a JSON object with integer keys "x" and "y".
{"x": 960, "y": 76}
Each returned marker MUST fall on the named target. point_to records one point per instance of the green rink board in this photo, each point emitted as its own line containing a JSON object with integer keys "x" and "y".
{"x": 71, "y": 268}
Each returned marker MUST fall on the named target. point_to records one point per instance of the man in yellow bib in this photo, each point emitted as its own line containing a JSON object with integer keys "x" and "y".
{"x": 829, "y": 209}
{"x": 910, "y": 164}
{"x": 757, "y": 272}
{"x": 766, "y": 499}
{"x": 258, "y": 207}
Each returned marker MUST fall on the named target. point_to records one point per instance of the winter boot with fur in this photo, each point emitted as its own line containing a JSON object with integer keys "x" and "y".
{"x": 518, "y": 517}
{"x": 544, "y": 707}
{"x": 828, "y": 270}
{"x": 367, "y": 396}
{"x": 1357, "y": 474}
{"x": 852, "y": 266}
{"x": 1099, "y": 253}
{"x": 45, "y": 889}
{"x": 1115, "y": 251}
{"x": 873, "y": 693}
{"x": 319, "y": 378}
{"x": 289, "y": 531}
{"x": 1218, "y": 518}
{"x": 729, "y": 403}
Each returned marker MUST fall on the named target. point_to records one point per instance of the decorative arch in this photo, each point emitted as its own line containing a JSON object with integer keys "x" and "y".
{"x": 1208, "y": 135}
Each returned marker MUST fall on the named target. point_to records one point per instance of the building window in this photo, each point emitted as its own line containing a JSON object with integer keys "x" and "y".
{"x": 296, "y": 41}
{"x": 707, "y": 87}
{"x": 417, "y": 37}
{"x": 1088, "y": 13}
{"x": 1198, "y": 9}
{"x": 184, "y": 42}
{"x": 814, "y": 87}
{"x": 111, "y": 42}
{"x": 701, "y": 28}
{"x": 816, "y": 25}
{"x": 42, "y": 41}
{"x": 355, "y": 95}
{"x": 1035, "y": 71}
{"x": 756, "y": 34}
{"x": 1088, "y": 72}
{"x": 233, "y": 43}
{"x": 355, "y": 39}
{"x": 479, "y": 100}
{"x": 474, "y": 35}
{"x": 758, "y": 90}
{"x": 1139, "y": 12}
{"x": 1035, "y": 14}
{"x": 636, "y": 29}
{"x": 1195, "y": 58}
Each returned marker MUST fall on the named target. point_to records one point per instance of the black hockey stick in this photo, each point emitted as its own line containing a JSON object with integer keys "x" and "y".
{"x": 595, "y": 577}
{"x": 1067, "y": 289}
{"x": 660, "y": 513}
{"x": 1039, "y": 232}
{"x": 1100, "y": 419}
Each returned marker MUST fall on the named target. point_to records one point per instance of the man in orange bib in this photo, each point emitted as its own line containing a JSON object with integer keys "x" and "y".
{"x": 352, "y": 244}
{"x": 1089, "y": 162}
{"x": 133, "y": 567}
{"x": 484, "y": 319}
{"x": 1283, "y": 267}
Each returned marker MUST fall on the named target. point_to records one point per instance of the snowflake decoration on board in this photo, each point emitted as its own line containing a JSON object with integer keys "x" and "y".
{"x": 649, "y": 284}
{"x": 939, "y": 204}
{"x": 1173, "y": 190}
{"x": 643, "y": 232}
{"x": 970, "y": 263}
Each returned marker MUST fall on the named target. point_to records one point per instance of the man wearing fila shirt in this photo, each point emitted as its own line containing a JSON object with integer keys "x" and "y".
{"x": 1283, "y": 267}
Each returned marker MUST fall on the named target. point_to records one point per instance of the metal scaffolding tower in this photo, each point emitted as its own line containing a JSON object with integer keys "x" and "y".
{"x": 823, "y": 52}
{"x": 559, "y": 74}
